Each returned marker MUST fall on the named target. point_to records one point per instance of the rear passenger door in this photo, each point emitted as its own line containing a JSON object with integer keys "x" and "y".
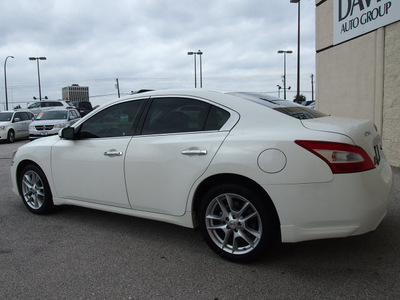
{"x": 177, "y": 142}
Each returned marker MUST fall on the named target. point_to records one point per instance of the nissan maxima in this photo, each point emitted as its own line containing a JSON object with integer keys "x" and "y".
{"x": 248, "y": 169}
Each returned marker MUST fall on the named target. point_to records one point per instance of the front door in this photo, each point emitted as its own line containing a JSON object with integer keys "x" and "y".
{"x": 91, "y": 167}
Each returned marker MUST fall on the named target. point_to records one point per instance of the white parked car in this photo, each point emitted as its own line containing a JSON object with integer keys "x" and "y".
{"x": 49, "y": 122}
{"x": 248, "y": 169}
{"x": 39, "y": 106}
{"x": 14, "y": 125}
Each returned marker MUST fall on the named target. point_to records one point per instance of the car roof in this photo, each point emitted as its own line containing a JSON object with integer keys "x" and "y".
{"x": 15, "y": 111}
{"x": 57, "y": 108}
{"x": 49, "y": 101}
{"x": 224, "y": 98}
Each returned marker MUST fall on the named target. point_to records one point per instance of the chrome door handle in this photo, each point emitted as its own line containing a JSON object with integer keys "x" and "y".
{"x": 194, "y": 151}
{"x": 113, "y": 153}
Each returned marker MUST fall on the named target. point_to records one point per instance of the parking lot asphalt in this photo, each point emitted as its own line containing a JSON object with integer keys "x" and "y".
{"x": 77, "y": 253}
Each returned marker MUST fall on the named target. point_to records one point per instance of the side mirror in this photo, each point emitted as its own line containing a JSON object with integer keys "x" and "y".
{"x": 67, "y": 133}
{"x": 16, "y": 120}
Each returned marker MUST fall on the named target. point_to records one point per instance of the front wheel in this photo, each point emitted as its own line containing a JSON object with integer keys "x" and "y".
{"x": 237, "y": 223}
{"x": 11, "y": 136}
{"x": 35, "y": 190}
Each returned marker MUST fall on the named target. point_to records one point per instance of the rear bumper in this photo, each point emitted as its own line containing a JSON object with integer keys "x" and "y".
{"x": 351, "y": 204}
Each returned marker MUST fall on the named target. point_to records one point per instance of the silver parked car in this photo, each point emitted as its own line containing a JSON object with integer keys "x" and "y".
{"x": 49, "y": 122}
{"x": 37, "y": 107}
{"x": 14, "y": 125}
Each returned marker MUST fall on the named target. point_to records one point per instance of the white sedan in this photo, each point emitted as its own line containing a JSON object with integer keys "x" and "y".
{"x": 247, "y": 168}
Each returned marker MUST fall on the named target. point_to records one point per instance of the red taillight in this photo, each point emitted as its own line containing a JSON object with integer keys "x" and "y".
{"x": 341, "y": 158}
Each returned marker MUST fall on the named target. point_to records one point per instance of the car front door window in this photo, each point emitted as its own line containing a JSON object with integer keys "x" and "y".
{"x": 114, "y": 121}
{"x": 17, "y": 117}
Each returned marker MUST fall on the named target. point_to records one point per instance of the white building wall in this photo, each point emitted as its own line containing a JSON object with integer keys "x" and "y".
{"x": 391, "y": 107}
{"x": 360, "y": 78}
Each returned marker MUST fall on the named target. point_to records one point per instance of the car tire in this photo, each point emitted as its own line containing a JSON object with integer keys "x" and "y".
{"x": 35, "y": 190}
{"x": 237, "y": 223}
{"x": 11, "y": 136}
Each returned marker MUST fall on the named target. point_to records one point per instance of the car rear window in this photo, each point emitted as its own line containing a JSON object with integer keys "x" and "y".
{"x": 283, "y": 106}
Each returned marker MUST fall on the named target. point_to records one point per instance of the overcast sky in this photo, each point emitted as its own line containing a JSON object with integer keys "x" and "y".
{"x": 144, "y": 43}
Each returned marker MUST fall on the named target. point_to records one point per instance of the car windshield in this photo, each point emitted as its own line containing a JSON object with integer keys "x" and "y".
{"x": 52, "y": 115}
{"x": 5, "y": 116}
{"x": 283, "y": 106}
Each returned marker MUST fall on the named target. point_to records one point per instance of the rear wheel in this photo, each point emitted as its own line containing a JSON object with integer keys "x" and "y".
{"x": 35, "y": 190}
{"x": 236, "y": 222}
{"x": 11, "y": 136}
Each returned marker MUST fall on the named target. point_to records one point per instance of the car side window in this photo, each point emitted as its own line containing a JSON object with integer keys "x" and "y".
{"x": 24, "y": 116}
{"x": 17, "y": 117}
{"x": 216, "y": 118}
{"x": 73, "y": 114}
{"x": 35, "y": 105}
{"x": 114, "y": 121}
{"x": 54, "y": 104}
{"x": 174, "y": 115}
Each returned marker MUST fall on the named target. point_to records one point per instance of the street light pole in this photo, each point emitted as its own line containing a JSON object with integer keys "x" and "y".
{"x": 298, "y": 46}
{"x": 5, "y": 78}
{"x": 37, "y": 60}
{"x": 201, "y": 68}
{"x": 312, "y": 87}
{"x": 117, "y": 86}
{"x": 279, "y": 90}
{"x": 284, "y": 69}
{"x": 195, "y": 78}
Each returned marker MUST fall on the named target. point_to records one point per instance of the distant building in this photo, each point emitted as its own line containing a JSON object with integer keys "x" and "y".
{"x": 75, "y": 93}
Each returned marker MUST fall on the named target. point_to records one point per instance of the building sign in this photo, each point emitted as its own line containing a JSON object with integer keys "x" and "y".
{"x": 353, "y": 18}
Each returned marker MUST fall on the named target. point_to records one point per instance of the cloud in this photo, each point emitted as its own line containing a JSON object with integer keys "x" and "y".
{"x": 145, "y": 43}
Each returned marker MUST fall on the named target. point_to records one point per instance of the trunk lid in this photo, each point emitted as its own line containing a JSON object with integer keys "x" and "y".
{"x": 362, "y": 132}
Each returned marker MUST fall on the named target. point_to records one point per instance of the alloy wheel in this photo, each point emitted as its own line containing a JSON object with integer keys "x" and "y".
{"x": 233, "y": 224}
{"x": 33, "y": 190}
